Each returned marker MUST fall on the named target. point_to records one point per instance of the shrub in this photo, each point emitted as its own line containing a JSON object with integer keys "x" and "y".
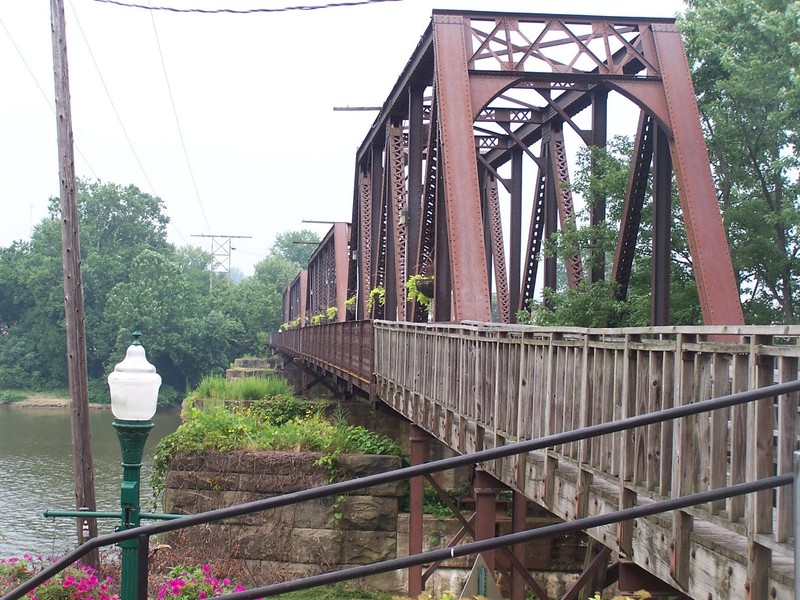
{"x": 9, "y": 396}
{"x": 250, "y": 388}
{"x": 283, "y": 423}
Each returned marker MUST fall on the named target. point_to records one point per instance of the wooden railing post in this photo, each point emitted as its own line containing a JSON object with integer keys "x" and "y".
{"x": 760, "y": 463}
{"x": 682, "y": 479}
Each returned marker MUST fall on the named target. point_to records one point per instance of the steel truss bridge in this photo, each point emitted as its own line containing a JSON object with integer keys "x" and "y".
{"x": 439, "y": 192}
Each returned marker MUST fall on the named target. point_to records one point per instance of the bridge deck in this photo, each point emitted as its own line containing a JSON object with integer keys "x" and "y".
{"x": 476, "y": 386}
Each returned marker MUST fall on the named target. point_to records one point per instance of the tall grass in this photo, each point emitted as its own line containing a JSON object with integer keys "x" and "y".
{"x": 250, "y": 388}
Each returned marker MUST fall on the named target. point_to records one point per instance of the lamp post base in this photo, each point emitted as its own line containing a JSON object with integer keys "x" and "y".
{"x": 132, "y": 438}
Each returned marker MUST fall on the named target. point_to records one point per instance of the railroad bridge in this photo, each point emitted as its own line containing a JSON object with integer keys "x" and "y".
{"x": 439, "y": 195}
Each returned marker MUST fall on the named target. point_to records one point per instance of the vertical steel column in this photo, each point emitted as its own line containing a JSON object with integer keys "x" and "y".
{"x": 597, "y": 258}
{"x": 416, "y": 140}
{"x": 375, "y": 199}
{"x": 515, "y": 234}
{"x": 419, "y": 448}
{"x": 486, "y": 511}
{"x": 705, "y": 232}
{"x": 364, "y": 239}
{"x": 341, "y": 234}
{"x": 443, "y": 286}
{"x": 471, "y": 297}
{"x": 519, "y": 522}
{"x": 662, "y": 223}
{"x": 550, "y": 213}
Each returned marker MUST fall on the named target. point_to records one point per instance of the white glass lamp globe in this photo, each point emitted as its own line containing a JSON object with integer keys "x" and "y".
{"x": 134, "y": 386}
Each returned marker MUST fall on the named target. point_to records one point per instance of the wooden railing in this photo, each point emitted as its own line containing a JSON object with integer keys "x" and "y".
{"x": 478, "y": 385}
{"x": 343, "y": 349}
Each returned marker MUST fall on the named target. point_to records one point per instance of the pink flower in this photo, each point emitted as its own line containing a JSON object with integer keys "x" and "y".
{"x": 206, "y": 569}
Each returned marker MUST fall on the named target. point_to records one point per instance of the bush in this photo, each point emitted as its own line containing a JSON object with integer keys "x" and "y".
{"x": 251, "y": 388}
{"x": 282, "y": 423}
{"x": 168, "y": 396}
{"x": 9, "y": 396}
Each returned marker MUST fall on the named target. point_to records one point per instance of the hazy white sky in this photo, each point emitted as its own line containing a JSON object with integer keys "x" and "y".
{"x": 253, "y": 95}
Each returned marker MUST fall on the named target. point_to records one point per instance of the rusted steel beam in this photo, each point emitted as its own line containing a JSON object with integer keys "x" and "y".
{"x": 662, "y": 225}
{"x": 559, "y": 171}
{"x": 534, "y": 246}
{"x": 632, "y": 206}
{"x": 495, "y": 226}
{"x": 364, "y": 238}
{"x": 708, "y": 244}
{"x": 598, "y": 200}
{"x": 419, "y": 451}
{"x": 515, "y": 234}
{"x": 470, "y": 297}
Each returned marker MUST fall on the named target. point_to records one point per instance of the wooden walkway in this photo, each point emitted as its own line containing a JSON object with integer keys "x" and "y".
{"x": 476, "y": 386}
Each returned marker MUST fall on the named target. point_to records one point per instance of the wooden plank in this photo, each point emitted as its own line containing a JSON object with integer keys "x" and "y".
{"x": 718, "y": 463}
{"x": 654, "y": 390}
{"x": 641, "y": 398}
{"x": 760, "y": 461}
{"x": 702, "y": 428}
{"x": 682, "y": 473}
{"x": 738, "y": 436}
{"x": 787, "y": 440}
{"x": 628, "y": 409}
{"x": 667, "y": 428}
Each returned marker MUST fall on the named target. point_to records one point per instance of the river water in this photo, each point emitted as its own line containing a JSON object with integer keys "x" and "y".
{"x": 36, "y": 474}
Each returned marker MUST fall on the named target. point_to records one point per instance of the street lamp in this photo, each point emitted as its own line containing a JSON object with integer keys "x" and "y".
{"x": 134, "y": 387}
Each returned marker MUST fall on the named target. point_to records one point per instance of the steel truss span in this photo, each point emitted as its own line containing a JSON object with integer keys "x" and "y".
{"x": 465, "y": 172}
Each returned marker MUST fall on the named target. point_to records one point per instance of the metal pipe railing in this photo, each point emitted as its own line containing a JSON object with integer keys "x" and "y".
{"x": 510, "y": 539}
{"x": 402, "y": 474}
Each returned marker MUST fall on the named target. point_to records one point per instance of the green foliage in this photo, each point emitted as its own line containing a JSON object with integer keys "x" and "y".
{"x": 76, "y": 582}
{"x": 280, "y": 422}
{"x": 415, "y": 294}
{"x": 9, "y": 396}
{"x": 335, "y": 592}
{"x": 249, "y": 388}
{"x": 331, "y": 312}
{"x": 191, "y": 583}
{"x": 378, "y": 295}
{"x": 295, "y": 246}
{"x": 745, "y": 57}
{"x": 603, "y": 173}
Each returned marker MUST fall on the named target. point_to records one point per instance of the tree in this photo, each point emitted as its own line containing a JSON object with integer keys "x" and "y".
{"x": 746, "y": 69}
{"x": 295, "y": 246}
{"x": 595, "y": 305}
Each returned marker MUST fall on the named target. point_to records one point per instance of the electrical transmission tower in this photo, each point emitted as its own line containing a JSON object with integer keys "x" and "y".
{"x": 220, "y": 254}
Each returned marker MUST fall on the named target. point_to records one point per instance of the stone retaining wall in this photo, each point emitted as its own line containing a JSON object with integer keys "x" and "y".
{"x": 293, "y": 541}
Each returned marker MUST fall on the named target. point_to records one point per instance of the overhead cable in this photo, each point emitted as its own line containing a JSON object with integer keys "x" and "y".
{"x": 246, "y": 11}
{"x": 178, "y": 123}
{"x": 47, "y": 98}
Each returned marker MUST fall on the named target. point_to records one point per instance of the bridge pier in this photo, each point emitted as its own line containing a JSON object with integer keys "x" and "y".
{"x": 486, "y": 489}
{"x": 419, "y": 452}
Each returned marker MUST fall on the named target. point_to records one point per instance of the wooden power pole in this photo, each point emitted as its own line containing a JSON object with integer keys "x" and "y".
{"x": 73, "y": 287}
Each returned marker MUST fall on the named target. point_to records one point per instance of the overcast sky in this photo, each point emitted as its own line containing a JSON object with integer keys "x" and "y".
{"x": 253, "y": 94}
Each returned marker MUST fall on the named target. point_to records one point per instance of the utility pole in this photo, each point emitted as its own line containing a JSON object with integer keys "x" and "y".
{"x": 73, "y": 288}
{"x": 220, "y": 254}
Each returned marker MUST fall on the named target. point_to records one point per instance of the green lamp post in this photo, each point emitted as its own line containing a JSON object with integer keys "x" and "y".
{"x": 134, "y": 387}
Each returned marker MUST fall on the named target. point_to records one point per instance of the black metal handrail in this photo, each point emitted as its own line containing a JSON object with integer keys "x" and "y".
{"x": 144, "y": 533}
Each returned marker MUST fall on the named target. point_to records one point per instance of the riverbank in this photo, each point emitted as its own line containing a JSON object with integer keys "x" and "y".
{"x": 43, "y": 400}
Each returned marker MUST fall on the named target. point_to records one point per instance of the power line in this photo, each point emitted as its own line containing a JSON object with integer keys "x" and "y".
{"x": 178, "y": 123}
{"x": 247, "y": 11}
{"x": 119, "y": 118}
{"x": 110, "y": 100}
{"x": 41, "y": 91}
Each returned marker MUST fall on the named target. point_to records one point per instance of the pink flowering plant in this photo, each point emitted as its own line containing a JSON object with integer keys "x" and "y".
{"x": 76, "y": 582}
{"x": 195, "y": 583}
{"x": 80, "y": 582}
